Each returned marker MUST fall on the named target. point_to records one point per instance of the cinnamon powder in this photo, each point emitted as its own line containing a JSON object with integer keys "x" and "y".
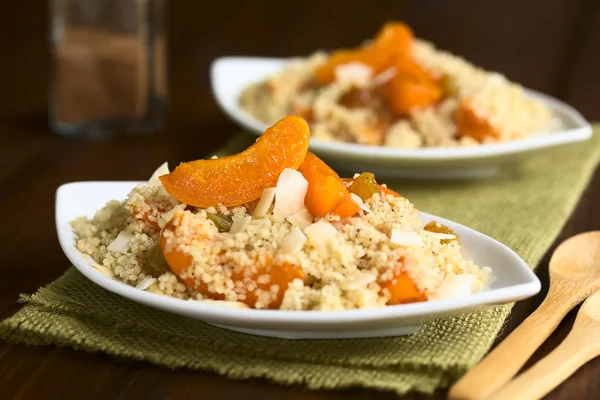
{"x": 104, "y": 76}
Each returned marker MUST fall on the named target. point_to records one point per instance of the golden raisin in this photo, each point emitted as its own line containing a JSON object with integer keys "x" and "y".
{"x": 436, "y": 227}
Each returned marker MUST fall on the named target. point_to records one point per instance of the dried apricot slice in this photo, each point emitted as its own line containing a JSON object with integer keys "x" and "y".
{"x": 279, "y": 276}
{"x": 395, "y": 38}
{"x": 387, "y": 190}
{"x": 406, "y": 68}
{"x": 304, "y": 112}
{"x": 241, "y": 178}
{"x": 401, "y": 287}
{"x": 347, "y": 207}
{"x": 177, "y": 260}
{"x": 148, "y": 212}
{"x": 404, "y": 95}
{"x": 471, "y": 124}
{"x": 326, "y": 73}
{"x": 326, "y": 191}
{"x": 146, "y": 217}
{"x": 411, "y": 87}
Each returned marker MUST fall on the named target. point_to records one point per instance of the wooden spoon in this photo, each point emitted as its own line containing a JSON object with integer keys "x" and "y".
{"x": 581, "y": 345}
{"x": 574, "y": 275}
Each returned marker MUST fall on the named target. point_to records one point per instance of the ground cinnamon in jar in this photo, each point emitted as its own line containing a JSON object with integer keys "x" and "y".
{"x": 100, "y": 75}
{"x": 109, "y": 66}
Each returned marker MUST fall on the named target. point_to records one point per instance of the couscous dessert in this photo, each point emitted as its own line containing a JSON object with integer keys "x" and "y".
{"x": 398, "y": 91}
{"x": 274, "y": 227}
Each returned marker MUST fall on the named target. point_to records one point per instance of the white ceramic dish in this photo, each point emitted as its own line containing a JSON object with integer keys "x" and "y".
{"x": 514, "y": 281}
{"x": 230, "y": 75}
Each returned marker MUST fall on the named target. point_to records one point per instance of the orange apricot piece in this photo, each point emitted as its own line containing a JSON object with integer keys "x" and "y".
{"x": 177, "y": 260}
{"x": 325, "y": 73}
{"x": 406, "y": 68}
{"x": 471, "y": 124}
{"x": 411, "y": 87}
{"x": 279, "y": 275}
{"x": 148, "y": 213}
{"x": 145, "y": 218}
{"x": 404, "y": 95}
{"x": 402, "y": 289}
{"x": 387, "y": 190}
{"x": 241, "y": 178}
{"x": 326, "y": 191}
{"x": 347, "y": 207}
{"x": 395, "y": 38}
{"x": 374, "y": 134}
{"x": 304, "y": 112}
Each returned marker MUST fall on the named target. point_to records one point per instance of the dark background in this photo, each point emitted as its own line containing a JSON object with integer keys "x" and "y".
{"x": 548, "y": 45}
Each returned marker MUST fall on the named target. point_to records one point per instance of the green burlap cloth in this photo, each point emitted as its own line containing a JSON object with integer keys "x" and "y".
{"x": 524, "y": 208}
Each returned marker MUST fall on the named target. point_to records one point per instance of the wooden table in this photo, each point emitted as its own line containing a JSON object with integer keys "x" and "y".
{"x": 556, "y": 51}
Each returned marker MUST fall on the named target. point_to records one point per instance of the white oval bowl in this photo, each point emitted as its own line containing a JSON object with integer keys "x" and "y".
{"x": 230, "y": 75}
{"x": 514, "y": 281}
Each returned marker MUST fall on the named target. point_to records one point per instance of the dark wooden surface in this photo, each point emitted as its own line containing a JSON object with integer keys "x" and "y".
{"x": 552, "y": 45}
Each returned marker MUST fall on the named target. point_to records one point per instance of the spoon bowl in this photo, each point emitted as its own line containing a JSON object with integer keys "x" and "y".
{"x": 578, "y": 257}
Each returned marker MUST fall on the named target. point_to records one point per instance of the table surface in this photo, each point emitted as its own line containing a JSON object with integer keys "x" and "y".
{"x": 558, "y": 53}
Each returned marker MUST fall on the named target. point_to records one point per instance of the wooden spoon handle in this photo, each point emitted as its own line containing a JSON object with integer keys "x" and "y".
{"x": 553, "y": 369}
{"x": 509, "y": 356}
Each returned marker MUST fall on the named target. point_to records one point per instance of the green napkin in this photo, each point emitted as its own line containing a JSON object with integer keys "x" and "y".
{"x": 524, "y": 207}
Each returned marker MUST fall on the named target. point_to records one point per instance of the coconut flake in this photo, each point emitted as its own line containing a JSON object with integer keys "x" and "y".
{"x": 294, "y": 241}
{"x": 160, "y": 171}
{"x": 360, "y": 202}
{"x": 121, "y": 243}
{"x": 441, "y": 236}
{"x": 360, "y": 282}
{"x": 103, "y": 270}
{"x": 291, "y": 190}
{"x": 354, "y": 73}
{"x": 263, "y": 205}
{"x": 301, "y": 219}
{"x": 408, "y": 239}
{"x": 239, "y": 223}
{"x": 321, "y": 234}
{"x": 455, "y": 286}
{"x": 163, "y": 219}
{"x": 489, "y": 279}
{"x": 145, "y": 283}
{"x": 223, "y": 235}
{"x": 383, "y": 77}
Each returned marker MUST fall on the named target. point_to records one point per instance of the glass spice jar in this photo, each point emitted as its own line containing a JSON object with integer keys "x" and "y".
{"x": 108, "y": 67}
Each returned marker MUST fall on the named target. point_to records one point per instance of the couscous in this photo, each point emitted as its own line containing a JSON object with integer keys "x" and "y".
{"x": 274, "y": 227}
{"x": 398, "y": 91}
